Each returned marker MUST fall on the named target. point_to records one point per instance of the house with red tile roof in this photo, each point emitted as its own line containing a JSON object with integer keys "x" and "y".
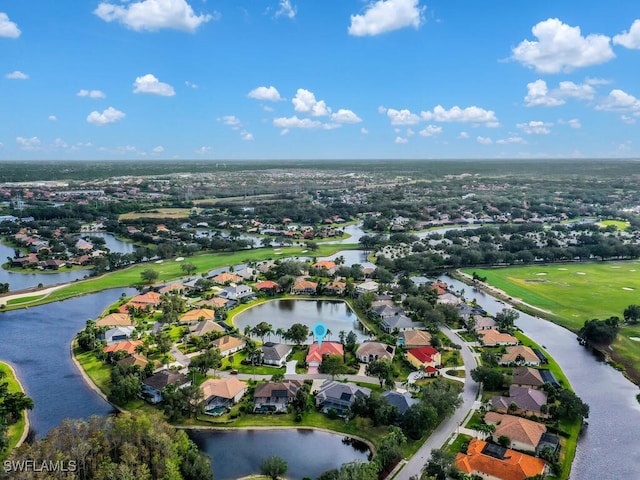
{"x": 492, "y": 462}
{"x": 316, "y": 352}
{"x": 197, "y": 315}
{"x": 268, "y": 286}
{"x": 493, "y": 338}
{"x": 128, "y": 346}
{"x": 424, "y": 357}
{"x": 304, "y": 287}
{"x": 524, "y": 434}
{"x": 115, "y": 320}
{"x": 226, "y": 278}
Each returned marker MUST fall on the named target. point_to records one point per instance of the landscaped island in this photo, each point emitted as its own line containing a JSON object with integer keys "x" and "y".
{"x": 14, "y": 422}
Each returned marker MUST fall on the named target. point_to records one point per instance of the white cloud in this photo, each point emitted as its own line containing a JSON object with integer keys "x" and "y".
{"x": 28, "y": 143}
{"x": 630, "y": 39}
{"x": 471, "y": 114}
{"x": 150, "y": 84}
{"x": 158, "y": 149}
{"x": 535, "y": 127}
{"x": 573, "y": 123}
{"x": 484, "y": 140}
{"x": 203, "y": 150}
{"x": 627, "y": 119}
{"x": 17, "y": 75}
{"x": 190, "y": 84}
{"x": 231, "y": 120}
{"x": 59, "y": 143}
{"x": 619, "y": 100}
{"x": 382, "y": 110}
{"x": 270, "y": 94}
{"x": 401, "y": 117}
{"x": 152, "y": 15}
{"x": 286, "y": 9}
{"x": 53, "y": 118}
{"x": 410, "y": 132}
{"x": 364, "y": 131}
{"x": 401, "y": 140}
{"x": 386, "y": 16}
{"x": 8, "y": 29}
{"x": 246, "y": 136}
{"x": 91, "y": 93}
{"x": 305, "y": 102}
{"x": 562, "y": 48}
{"x": 538, "y": 94}
{"x": 505, "y": 141}
{"x": 345, "y": 116}
{"x": 463, "y": 135}
{"x": 110, "y": 115}
{"x": 295, "y": 122}
{"x": 431, "y": 131}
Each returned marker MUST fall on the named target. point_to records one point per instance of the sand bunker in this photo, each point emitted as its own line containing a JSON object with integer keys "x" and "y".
{"x": 628, "y": 288}
{"x": 159, "y": 261}
{"x": 179, "y": 259}
{"x": 615, "y": 267}
{"x": 562, "y": 269}
{"x": 635, "y": 339}
{"x": 580, "y": 273}
{"x": 632, "y": 270}
{"x": 541, "y": 273}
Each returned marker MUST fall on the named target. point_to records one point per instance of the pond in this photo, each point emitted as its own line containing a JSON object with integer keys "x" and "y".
{"x": 114, "y": 244}
{"x": 308, "y": 453}
{"x": 336, "y": 315}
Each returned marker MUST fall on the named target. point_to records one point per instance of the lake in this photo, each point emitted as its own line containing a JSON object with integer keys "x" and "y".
{"x": 308, "y": 453}
{"x": 336, "y": 315}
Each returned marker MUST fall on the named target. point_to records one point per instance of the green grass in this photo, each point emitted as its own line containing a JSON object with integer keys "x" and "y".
{"x": 458, "y": 443}
{"x": 15, "y": 430}
{"x": 552, "y": 366}
{"x": 170, "y": 269}
{"x": 18, "y": 301}
{"x": 619, "y": 224}
{"x": 98, "y": 372}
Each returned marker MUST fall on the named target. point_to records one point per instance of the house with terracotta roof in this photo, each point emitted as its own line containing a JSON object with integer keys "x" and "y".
{"x": 152, "y": 386}
{"x": 221, "y": 393}
{"x": 521, "y": 400}
{"x": 316, "y": 352}
{"x": 275, "y": 396}
{"x": 493, "y": 338}
{"x": 197, "y": 315}
{"x": 304, "y": 287}
{"x": 328, "y": 265}
{"x": 424, "y": 357}
{"x": 134, "y": 360}
{"x": 439, "y": 287}
{"x": 228, "y": 344}
{"x": 334, "y": 288}
{"x": 204, "y": 327}
{"x": 493, "y": 462}
{"x": 214, "y": 302}
{"x": 268, "y": 287}
{"x": 115, "y": 320}
{"x": 151, "y": 299}
{"x": 414, "y": 339}
{"x": 524, "y": 434}
{"x": 519, "y": 355}
{"x": 226, "y": 278}
{"x": 172, "y": 287}
{"x": 128, "y": 346}
{"x": 372, "y": 351}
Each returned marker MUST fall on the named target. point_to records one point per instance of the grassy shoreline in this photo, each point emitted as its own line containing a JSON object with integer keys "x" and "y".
{"x": 18, "y": 431}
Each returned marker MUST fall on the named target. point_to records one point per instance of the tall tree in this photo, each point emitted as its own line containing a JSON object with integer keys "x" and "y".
{"x": 274, "y": 467}
{"x": 385, "y": 372}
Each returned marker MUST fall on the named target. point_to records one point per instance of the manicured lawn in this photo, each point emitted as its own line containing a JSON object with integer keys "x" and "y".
{"x": 18, "y": 301}
{"x": 552, "y": 366}
{"x": 619, "y": 224}
{"x": 157, "y": 213}
{"x": 99, "y": 372}
{"x": 458, "y": 443}
{"x": 170, "y": 269}
{"x": 16, "y": 429}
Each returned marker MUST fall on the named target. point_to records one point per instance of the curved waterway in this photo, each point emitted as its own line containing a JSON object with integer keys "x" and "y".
{"x": 608, "y": 448}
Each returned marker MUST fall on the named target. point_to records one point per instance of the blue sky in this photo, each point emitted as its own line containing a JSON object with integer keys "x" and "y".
{"x": 305, "y": 79}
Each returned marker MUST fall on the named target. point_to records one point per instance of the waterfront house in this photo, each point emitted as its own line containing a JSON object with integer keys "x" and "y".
{"x": 524, "y": 434}
{"x": 372, "y": 351}
{"x": 128, "y": 346}
{"x": 367, "y": 287}
{"x": 275, "y": 397}
{"x": 339, "y": 396}
{"x": 304, "y": 287}
{"x": 221, "y": 393}
{"x": 116, "y": 334}
{"x": 335, "y": 288}
{"x": 519, "y": 355}
{"x": 115, "y": 320}
{"x": 268, "y": 287}
{"x": 152, "y": 386}
{"x": 399, "y": 323}
{"x": 275, "y": 354}
{"x": 316, "y": 353}
{"x": 527, "y": 377}
{"x": 197, "y": 315}
{"x": 492, "y": 462}
{"x": 494, "y": 338}
{"x": 228, "y": 344}
{"x": 521, "y": 400}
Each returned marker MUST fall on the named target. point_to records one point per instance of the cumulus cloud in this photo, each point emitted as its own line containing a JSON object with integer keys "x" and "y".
{"x": 627, "y": 119}
{"x": 8, "y": 29}
{"x": 400, "y": 117}
{"x": 619, "y": 100}
{"x": 345, "y": 116}
{"x": 535, "y": 127}
{"x": 630, "y": 39}
{"x": 28, "y": 143}
{"x": 91, "y": 93}
{"x": 431, "y": 131}
{"x": 246, "y": 136}
{"x": 203, "y": 150}
{"x": 484, "y": 140}
{"x": 153, "y": 15}
{"x": 401, "y": 140}
{"x": 53, "y": 118}
{"x": 538, "y": 93}
{"x": 573, "y": 123}
{"x": 562, "y": 48}
{"x": 364, "y": 131}
{"x": 295, "y": 122}
{"x": 269, "y": 94}
{"x": 463, "y": 135}
{"x": 231, "y": 120}
{"x": 190, "y": 84}
{"x": 158, "y": 149}
{"x": 305, "y": 102}
{"x": 505, "y": 141}
{"x": 287, "y": 9}
{"x": 17, "y": 75}
{"x": 110, "y": 115}
{"x": 386, "y": 16}
{"x": 150, "y": 84}
{"x": 471, "y": 114}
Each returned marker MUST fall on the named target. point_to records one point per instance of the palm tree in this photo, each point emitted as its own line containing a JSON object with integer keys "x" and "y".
{"x": 280, "y": 332}
{"x": 328, "y": 334}
{"x": 342, "y": 336}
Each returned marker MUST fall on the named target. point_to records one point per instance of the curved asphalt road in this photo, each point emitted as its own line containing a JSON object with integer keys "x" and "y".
{"x": 440, "y": 436}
